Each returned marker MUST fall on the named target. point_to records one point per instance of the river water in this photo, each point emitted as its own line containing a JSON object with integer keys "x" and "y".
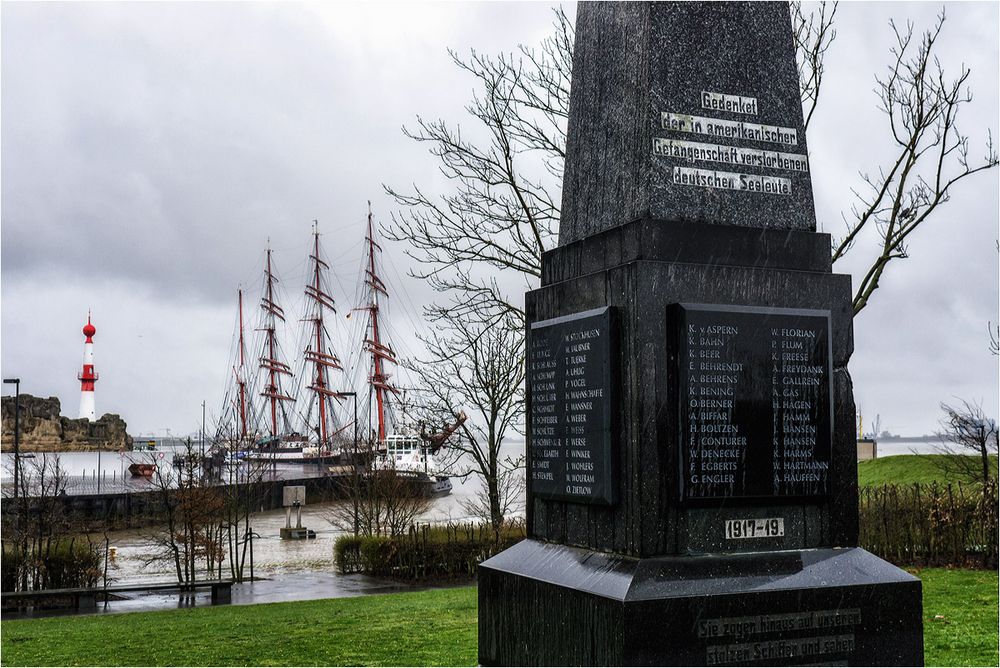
{"x": 273, "y": 556}
{"x": 114, "y": 464}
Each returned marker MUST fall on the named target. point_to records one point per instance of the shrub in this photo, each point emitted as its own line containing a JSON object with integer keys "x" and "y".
{"x": 64, "y": 565}
{"x": 930, "y": 524}
{"x": 425, "y": 551}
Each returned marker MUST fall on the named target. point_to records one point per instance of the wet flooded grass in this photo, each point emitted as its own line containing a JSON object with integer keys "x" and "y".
{"x": 420, "y": 628}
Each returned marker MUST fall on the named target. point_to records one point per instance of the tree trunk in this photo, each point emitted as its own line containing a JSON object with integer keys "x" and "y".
{"x": 984, "y": 452}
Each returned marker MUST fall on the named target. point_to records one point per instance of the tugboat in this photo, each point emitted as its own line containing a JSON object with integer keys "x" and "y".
{"x": 409, "y": 457}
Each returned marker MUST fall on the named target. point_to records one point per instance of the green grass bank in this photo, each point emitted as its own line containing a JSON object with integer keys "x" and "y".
{"x": 960, "y": 617}
{"x": 906, "y": 470}
{"x": 435, "y": 627}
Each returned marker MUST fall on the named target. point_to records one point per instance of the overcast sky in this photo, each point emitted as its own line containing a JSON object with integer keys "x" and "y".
{"x": 150, "y": 150}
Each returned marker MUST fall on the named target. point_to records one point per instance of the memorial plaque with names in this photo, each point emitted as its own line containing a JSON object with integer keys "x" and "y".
{"x": 571, "y": 407}
{"x": 755, "y": 401}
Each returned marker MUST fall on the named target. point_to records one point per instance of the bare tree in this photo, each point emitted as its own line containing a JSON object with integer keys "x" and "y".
{"x": 814, "y": 33}
{"x": 47, "y": 543}
{"x": 242, "y": 490}
{"x": 502, "y": 211}
{"x": 922, "y": 105}
{"x": 191, "y": 510}
{"x": 970, "y": 438}
{"x": 381, "y": 502}
{"x": 497, "y": 218}
{"x": 478, "y": 368}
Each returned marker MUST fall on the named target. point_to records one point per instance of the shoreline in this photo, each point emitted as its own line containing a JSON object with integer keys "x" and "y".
{"x": 56, "y": 448}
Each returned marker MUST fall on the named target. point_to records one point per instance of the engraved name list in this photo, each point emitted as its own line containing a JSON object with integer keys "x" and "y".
{"x": 570, "y": 407}
{"x": 754, "y": 387}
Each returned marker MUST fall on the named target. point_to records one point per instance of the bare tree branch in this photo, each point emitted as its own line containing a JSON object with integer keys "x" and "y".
{"x": 813, "y": 36}
{"x": 502, "y": 212}
{"x": 970, "y": 438}
{"x": 477, "y": 367}
{"x": 922, "y": 105}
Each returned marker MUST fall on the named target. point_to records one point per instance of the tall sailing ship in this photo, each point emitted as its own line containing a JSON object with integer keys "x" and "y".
{"x": 399, "y": 450}
{"x": 268, "y": 416}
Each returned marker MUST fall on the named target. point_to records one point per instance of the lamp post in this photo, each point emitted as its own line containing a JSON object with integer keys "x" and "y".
{"x": 16, "y": 382}
{"x": 203, "y": 436}
{"x": 22, "y": 540}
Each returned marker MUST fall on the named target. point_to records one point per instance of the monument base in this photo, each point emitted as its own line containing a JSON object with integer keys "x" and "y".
{"x": 549, "y": 604}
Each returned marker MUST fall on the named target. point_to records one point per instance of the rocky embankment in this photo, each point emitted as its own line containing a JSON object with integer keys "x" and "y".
{"x": 44, "y": 429}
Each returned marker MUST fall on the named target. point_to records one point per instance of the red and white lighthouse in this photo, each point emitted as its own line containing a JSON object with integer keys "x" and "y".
{"x": 88, "y": 377}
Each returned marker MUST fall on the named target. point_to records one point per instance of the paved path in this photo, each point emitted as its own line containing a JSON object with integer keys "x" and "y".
{"x": 289, "y": 586}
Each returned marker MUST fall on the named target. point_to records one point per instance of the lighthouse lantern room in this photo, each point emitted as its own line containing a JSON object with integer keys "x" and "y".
{"x": 88, "y": 376}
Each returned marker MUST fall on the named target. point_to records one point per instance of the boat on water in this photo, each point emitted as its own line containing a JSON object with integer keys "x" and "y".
{"x": 265, "y": 425}
{"x": 138, "y": 470}
{"x": 407, "y": 455}
{"x": 410, "y": 458}
{"x": 290, "y": 449}
{"x": 271, "y": 420}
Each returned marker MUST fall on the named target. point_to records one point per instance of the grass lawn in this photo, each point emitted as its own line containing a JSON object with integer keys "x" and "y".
{"x": 960, "y": 617}
{"x": 435, "y": 627}
{"x": 905, "y": 470}
{"x": 420, "y": 628}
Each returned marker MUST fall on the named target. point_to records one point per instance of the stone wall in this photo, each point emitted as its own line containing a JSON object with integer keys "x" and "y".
{"x": 44, "y": 429}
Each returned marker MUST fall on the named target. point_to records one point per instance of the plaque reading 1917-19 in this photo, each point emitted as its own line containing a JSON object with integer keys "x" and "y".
{"x": 571, "y": 407}
{"x": 755, "y": 394}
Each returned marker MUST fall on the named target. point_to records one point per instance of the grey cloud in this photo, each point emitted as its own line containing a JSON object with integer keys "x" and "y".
{"x": 151, "y": 149}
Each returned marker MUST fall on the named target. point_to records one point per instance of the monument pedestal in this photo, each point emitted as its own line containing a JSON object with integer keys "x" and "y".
{"x": 690, "y": 426}
{"x": 642, "y": 271}
{"x": 548, "y": 604}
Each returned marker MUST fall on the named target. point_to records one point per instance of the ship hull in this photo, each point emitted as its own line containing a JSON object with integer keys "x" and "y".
{"x": 426, "y": 485}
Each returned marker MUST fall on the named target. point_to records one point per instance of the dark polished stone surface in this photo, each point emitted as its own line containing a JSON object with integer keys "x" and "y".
{"x": 573, "y": 411}
{"x": 754, "y": 393}
{"x": 755, "y": 573}
{"x": 635, "y": 62}
{"x": 675, "y": 241}
{"x": 576, "y": 607}
{"x": 648, "y": 520}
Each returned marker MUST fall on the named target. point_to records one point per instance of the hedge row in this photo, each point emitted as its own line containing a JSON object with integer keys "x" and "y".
{"x": 425, "y": 551}
{"x": 909, "y": 525}
{"x": 65, "y": 565}
{"x": 931, "y": 524}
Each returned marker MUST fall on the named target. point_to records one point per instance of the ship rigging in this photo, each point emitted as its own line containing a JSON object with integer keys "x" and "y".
{"x": 305, "y": 425}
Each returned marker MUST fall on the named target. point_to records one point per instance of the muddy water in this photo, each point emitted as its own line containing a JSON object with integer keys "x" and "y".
{"x": 273, "y": 556}
{"x": 291, "y": 570}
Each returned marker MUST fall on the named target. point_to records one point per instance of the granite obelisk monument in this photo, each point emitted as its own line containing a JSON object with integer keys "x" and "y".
{"x": 692, "y": 481}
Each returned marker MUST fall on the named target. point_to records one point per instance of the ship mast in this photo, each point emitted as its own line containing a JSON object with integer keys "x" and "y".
{"x": 269, "y": 361}
{"x": 240, "y": 380}
{"x": 318, "y": 355}
{"x": 381, "y": 353}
